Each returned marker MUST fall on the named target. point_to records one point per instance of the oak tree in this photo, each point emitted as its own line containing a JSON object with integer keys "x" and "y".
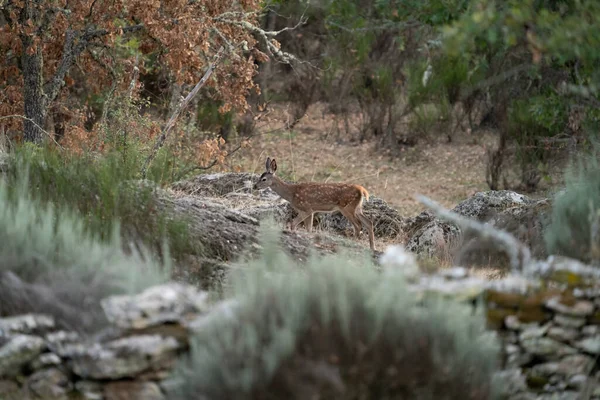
{"x": 50, "y": 46}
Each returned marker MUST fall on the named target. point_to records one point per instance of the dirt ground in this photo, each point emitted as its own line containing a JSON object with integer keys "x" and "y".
{"x": 313, "y": 151}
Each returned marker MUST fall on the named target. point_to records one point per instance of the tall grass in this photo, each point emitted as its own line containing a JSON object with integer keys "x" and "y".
{"x": 103, "y": 189}
{"x": 51, "y": 262}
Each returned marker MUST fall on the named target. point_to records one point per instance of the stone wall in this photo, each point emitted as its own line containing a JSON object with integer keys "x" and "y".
{"x": 549, "y": 325}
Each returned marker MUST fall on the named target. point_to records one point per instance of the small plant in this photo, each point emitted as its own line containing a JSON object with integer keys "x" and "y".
{"x": 102, "y": 188}
{"x": 336, "y": 329}
{"x": 51, "y": 263}
{"x": 574, "y": 228}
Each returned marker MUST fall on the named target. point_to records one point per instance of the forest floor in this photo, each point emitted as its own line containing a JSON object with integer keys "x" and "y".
{"x": 316, "y": 150}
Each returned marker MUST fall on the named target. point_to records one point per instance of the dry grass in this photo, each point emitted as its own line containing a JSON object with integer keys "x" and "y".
{"x": 313, "y": 151}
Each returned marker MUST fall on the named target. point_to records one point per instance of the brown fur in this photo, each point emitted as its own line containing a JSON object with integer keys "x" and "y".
{"x": 308, "y": 198}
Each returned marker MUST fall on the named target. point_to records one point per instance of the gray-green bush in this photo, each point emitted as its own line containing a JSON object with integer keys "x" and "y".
{"x": 574, "y": 226}
{"x": 335, "y": 328}
{"x": 51, "y": 263}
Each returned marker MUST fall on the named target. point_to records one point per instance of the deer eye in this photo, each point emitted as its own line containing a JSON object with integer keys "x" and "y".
{"x": 264, "y": 179}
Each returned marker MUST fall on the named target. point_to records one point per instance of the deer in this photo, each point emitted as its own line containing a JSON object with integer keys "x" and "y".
{"x": 311, "y": 197}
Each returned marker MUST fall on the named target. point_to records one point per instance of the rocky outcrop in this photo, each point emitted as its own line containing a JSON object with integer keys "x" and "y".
{"x": 519, "y": 215}
{"x": 235, "y": 191}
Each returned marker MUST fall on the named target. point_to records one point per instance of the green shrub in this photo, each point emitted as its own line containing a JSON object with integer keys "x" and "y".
{"x": 574, "y": 224}
{"x": 100, "y": 188}
{"x": 336, "y": 329}
{"x": 51, "y": 263}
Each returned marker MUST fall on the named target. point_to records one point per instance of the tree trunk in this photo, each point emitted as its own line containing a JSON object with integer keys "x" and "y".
{"x": 35, "y": 107}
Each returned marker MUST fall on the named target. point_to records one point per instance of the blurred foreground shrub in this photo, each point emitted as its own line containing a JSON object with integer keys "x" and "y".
{"x": 51, "y": 263}
{"x": 574, "y": 228}
{"x": 336, "y": 329}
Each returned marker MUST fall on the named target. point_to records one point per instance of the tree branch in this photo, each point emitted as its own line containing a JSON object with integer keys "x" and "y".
{"x": 70, "y": 52}
{"x": 163, "y": 136}
{"x": 518, "y": 253}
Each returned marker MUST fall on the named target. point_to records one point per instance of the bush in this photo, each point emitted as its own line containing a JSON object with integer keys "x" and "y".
{"x": 575, "y": 220}
{"x": 51, "y": 263}
{"x": 103, "y": 189}
{"x": 335, "y": 329}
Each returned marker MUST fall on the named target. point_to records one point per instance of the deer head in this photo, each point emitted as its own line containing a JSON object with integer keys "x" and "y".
{"x": 266, "y": 179}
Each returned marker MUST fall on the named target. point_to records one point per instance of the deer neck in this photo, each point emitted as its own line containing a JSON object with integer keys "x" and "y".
{"x": 285, "y": 190}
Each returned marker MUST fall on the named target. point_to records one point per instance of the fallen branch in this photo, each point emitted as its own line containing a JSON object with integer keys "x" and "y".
{"x": 163, "y": 136}
{"x": 518, "y": 253}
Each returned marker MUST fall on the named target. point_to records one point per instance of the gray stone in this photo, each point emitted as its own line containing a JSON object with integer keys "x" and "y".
{"x": 562, "y": 334}
{"x": 590, "y": 344}
{"x": 581, "y": 308}
{"x": 547, "y": 348}
{"x": 170, "y": 302}
{"x": 533, "y": 332}
{"x": 27, "y": 324}
{"x": 566, "y": 395}
{"x": 590, "y": 330}
{"x": 61, "y": 342}
{"x": 454, "y": 273}
{"x": 568, "y": 321}
{"x": 126, "y": 390}
{"x": 89, "y": 390}
{"x": 17, "y": 352}
{"x": 124, "y": 357}
{"x": 51, "y": 384}
{"x": 511, "y": 382}
{"x": 577, "y": 382}
{"x": 512, "y": 322}
{"x": 564, "y": 368}
{"x": 45, "y": 360}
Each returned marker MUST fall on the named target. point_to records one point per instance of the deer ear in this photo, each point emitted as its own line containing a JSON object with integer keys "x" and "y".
{"x": 273, "y": 166}
{"x": 268, "y": 164}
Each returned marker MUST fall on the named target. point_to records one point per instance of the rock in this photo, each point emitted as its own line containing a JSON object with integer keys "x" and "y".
{"x": 506, "y": 210}
{"x": 387, "y": 222}
{"x": 590, "y": 330}
{"x": 45, "y": 360}
{"x": 168, "y": 303}
{"x": 533, "y": 332}
{"x": 29, "y": 324}
{"x": 61, "y": 342}
{"x": 547, "y": 348}
{"x": 510, "y": 382}
{"x": 564, "y": 270}
{"x": 566, "y": 367}
{"x": 89, "y": 390}
{"x": 569, "y": 322}
{"x": 589, "y": 344}
{"x": 10, "y": 390}
{"x": 217, "y": 185}
{"x": 516, "y": 357}
{"x": 51, "y": 384}
{"x": 512, "y": 323}
{"x": 577, "y": 382}
{"x": 397, "y": 260}
{"x": 454, "y": 273}
{"x": 565, "y": 395}
{"x": 126, "y": 390}
{"x": 18, "y": 351}
{"x": 581, "y": 308}
{"x": 562, "y": 334}
{"x": 125, "y": 357}
{"x": 435, "y": 239}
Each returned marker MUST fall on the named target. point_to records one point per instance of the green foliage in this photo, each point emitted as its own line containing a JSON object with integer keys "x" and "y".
{"x": 574, "y": 228}
{"x": 51, "y": 263}
{"x": 102, "y": 189}
{"x": 335, "y": 328}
